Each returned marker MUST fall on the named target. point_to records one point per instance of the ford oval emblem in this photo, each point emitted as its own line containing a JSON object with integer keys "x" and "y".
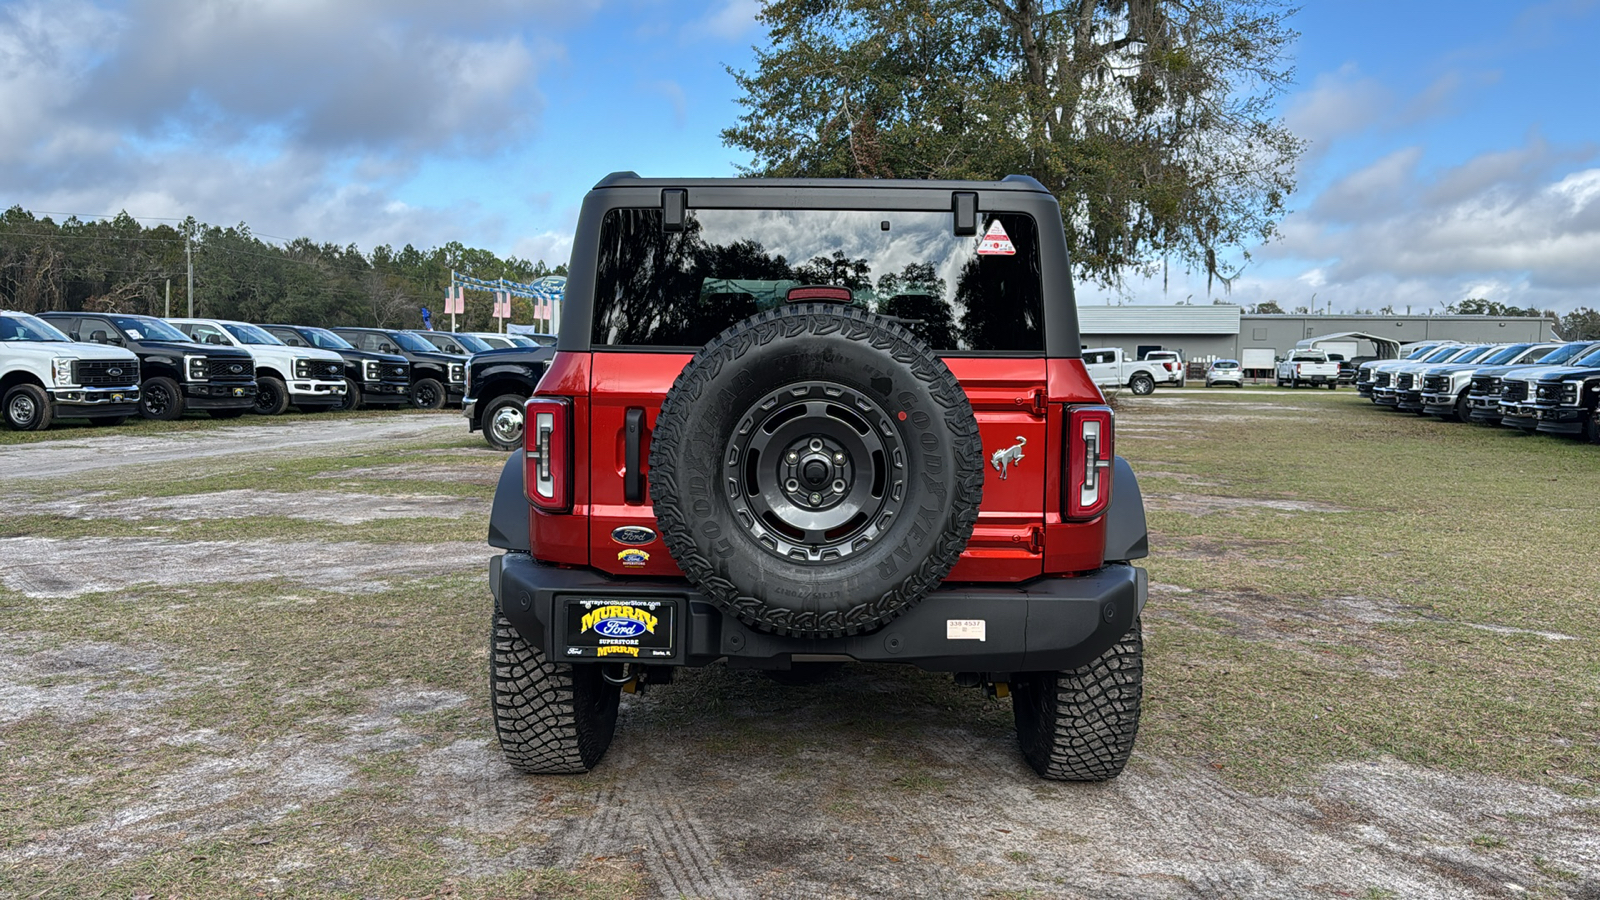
{"x": 113, "y": 371}
{"x": 624, "y": 628}
{"x": 633, "y": 535}
{"x": 236, "y": 368}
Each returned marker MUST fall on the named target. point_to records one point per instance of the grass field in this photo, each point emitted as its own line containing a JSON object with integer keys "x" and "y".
{"x": 1372, "y": 672}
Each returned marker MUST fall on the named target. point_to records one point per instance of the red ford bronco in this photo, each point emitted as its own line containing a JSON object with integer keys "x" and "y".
{"x": 793, "y": 423}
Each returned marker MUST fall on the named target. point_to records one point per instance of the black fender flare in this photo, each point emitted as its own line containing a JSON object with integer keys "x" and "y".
{"x": 508, "y": 517}
{"x": 1127, "y": 536}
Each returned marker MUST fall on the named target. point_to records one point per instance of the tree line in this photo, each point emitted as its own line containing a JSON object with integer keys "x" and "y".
{"x": 1582, "y": 324}
{"x": 119, "y": 265}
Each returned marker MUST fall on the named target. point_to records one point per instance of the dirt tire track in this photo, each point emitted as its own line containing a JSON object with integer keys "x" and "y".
{"x": 68, "y": 457}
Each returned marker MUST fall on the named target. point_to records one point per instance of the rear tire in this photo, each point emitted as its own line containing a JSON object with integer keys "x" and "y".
{"x": 1142, "y": 385}
{"x": 427, "y": 393}
{"x": 26, "y": 407}
{"x": 503, "y": 421}
{"x": 161, "y": 399}
{"x": 1080, "y": 725}
{"x": 551, "y": 718}
{"x": 272, "y": 397}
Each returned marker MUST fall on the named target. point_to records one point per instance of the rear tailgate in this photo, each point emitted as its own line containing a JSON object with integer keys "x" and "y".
{"x": 621, "y": 382}
{"x": 1007, "y": 397}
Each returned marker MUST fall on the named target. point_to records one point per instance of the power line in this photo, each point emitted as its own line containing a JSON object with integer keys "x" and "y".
{"x": 46, "y": 212}
{"x": 87, "y": 237}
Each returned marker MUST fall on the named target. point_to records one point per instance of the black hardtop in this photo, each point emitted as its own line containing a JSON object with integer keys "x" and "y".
{"x": 1009, "y": 183}
{"x": 1013, "y": 194}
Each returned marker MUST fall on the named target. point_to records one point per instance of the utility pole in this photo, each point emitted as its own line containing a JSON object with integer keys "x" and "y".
{"x": 167, "y": 314}
{"x": 188, "y": 256}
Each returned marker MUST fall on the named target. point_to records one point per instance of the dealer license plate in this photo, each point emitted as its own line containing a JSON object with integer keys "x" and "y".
{"x": 621, "y": 629}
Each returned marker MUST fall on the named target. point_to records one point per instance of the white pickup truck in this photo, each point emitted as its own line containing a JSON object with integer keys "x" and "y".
{"x": 310, "y": 378}
{"x": 1309, "y": 366}
{"x": 1111, "y": 367}
{"x": 44, "y": 375}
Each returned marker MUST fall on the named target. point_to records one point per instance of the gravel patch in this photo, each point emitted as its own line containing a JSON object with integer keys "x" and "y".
{"x": 1205, "y": 504}
{"x": 307, "y": 436}
{"x": 52, "y": 567}
{"x": 336, "y": 507}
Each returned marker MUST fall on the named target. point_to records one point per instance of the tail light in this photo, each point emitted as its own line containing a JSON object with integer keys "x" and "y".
{"x": 1089, "y": 455}
{"x": 547, "y": 442}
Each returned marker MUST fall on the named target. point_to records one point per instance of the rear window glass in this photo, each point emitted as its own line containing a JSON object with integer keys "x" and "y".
{"x": 680, "y": 289}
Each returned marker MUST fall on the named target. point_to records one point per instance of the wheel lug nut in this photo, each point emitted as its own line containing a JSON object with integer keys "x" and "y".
{"x": 793, "y": 456}
{"x": 838, "y": 457}
{"x": 816, "y": 498}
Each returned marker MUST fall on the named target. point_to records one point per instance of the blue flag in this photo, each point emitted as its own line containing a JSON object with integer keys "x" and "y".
{"x": 427, "y": 319}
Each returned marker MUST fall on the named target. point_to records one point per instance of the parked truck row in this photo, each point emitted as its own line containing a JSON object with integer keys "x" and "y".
{"x": 1550, "y": 387}
{"x": 105, "y": 367}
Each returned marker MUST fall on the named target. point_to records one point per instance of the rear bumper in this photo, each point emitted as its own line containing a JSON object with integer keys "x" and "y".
{"x": 1044, "y": 625}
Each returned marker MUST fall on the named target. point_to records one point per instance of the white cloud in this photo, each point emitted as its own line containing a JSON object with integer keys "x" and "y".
{"x": 300, "y": 117}
{"x": 1376, "y": 187}
{"x": 555, "y": 248}
{"x": 1338, "y": 104}
{"x": 730, "y": 22}
{"x": 1518, "y": 225}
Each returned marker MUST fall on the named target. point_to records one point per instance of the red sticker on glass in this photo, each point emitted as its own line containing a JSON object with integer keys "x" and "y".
{"x": 996, "y": 242}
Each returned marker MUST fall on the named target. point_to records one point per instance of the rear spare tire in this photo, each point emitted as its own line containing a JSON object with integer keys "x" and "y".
{"x": 816, "y": 470}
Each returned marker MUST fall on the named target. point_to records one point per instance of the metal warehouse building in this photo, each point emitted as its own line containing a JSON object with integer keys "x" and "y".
{"x": 1202, "y": 332}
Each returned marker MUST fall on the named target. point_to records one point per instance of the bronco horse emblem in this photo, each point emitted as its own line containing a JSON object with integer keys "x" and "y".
{"x": 1010, "y": 456}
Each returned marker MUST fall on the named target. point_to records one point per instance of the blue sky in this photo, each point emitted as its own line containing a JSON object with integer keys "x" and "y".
{"x": 1455, "y": 146}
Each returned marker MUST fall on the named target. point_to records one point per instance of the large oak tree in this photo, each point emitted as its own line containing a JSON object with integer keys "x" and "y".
{"x": 1150, "y": 120}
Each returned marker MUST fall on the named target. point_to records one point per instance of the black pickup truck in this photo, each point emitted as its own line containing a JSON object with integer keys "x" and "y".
{"x": 498, "y": 384}
{"x": 370, "y": 378}
{"x": 176, "y": 373}
{"x": 437, "y": 379}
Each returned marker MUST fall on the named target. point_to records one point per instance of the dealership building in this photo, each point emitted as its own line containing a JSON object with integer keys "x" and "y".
{"x": 1210, "y": 332}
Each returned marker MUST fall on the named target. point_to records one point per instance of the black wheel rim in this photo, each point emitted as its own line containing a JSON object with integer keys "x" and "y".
{"x": 156, "y": 399}
{"x": 815, "y": 471}
{"x": 427, "y": 396}
{"x": 266, "y": 398}
{"x": 22, "y": 410}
